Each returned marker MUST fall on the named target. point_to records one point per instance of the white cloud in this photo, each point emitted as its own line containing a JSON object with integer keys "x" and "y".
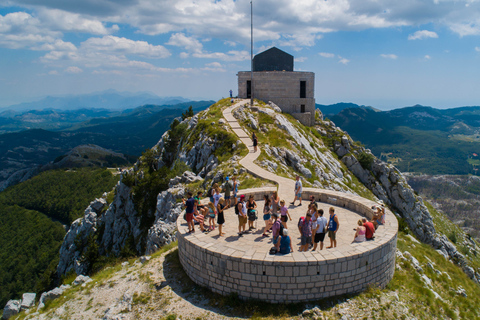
{"x": 427, "y": 57}
{"x": 73, "y": 69}
{"x": 327, "y": 55}
{"x": 422, "y": 34}
{"x": 343, "y": 60}
{"x": 189, "y": 43}
{"x": 114, "y": 44}
{"x": 389, "y": 56}
{"x": 301, "y": 59}
{"x": 57, "y": 45}
{"x": 232, "y": 55}
{"x": 64, "y": 21}
{"x": 477, "y": 49}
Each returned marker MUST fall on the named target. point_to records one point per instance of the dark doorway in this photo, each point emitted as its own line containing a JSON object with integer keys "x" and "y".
{"x": 303, "y": 89}
{"x": 302, "y": 108}
{"x": 249, "y": 89}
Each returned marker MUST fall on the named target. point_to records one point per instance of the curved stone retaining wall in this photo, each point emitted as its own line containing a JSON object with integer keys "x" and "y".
{"x": 298, "y": 276}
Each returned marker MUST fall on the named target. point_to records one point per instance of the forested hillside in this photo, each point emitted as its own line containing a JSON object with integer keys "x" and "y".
{"x": 30, "y": 231}
{"x": 418, "y": 139}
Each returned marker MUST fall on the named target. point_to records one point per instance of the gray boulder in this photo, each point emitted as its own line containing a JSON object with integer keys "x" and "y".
{"x": 51, "y": 295}
{"x": 28, "y": 300}
{"x": 98, "y": 204}
{"x": 11, "y": 308}
{"x": 80, "y": 279}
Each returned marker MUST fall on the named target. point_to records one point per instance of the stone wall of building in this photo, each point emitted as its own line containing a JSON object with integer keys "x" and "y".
{"x": 282, "y": 88}
{"x": 280, "y": 279}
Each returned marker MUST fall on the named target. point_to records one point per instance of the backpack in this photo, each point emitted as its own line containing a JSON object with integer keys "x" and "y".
{"x": 273, "y": 250}
{"x": 236, "y": 209}
{"x": 300, "y": 221}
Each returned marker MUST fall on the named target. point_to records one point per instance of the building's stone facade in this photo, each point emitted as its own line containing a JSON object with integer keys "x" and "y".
{"x": 296, "y": 277}
{"x": 282, "y": 88}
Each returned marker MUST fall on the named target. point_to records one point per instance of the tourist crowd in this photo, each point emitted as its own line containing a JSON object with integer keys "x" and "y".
{"x": 313, "y": 227}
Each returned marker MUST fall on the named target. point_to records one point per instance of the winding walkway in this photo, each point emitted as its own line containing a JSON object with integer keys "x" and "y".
{"x": 286, "y": 187}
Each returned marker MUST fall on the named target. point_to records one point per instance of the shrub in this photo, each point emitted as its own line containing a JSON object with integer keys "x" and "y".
{"x": 366, "y": 160}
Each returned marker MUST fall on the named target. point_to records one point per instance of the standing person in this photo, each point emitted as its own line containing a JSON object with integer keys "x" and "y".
{"x": 252, "y": 212}
{"x": 227, "y": 188}
{"x": 216, "y": 196}
{"x": 333, "y": 226}
{"x": 220, "y": 216}
{"x": 306, "y": 228}
{"x": 231, "y": 93}
{"x": 189, "y": 209}
{"x": 267, "y": 210}
{"x": 255, "y": 142}
{"x": 360, "y": 233}
{"x": 276, "y": 227}
{"x": 235, "y": 188}
{"x": 275, "y": 201}
{"x": 298, "y": 191}
{"x": 211, "y": 192}
{"x": 319, "y": 229}
{"x": 286, "y": 243}
{"x": 312, "y": 200}
{"x": 242, "y": 215}
{"x": 284, "y": 213}
{"x": 211, "y": 216}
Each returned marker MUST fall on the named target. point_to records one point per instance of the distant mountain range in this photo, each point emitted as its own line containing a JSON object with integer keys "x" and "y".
{"x": 109, "y": 99}
{"x": 418, "y": 138}
{"x": 129, "y": 132}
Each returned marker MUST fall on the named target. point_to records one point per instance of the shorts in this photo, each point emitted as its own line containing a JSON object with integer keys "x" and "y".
{"x": 284, "y": 219}
{"x": 227, "y": 198}
{"x": 242, "y": 219}
{"x": 305, "y": 240}
{"x": 266, "y": 217}
{"x": 298, "y": 195}
{"x": 211, "y": 215}
{"x": 379, "y": 222}
{"x": 275, "y": 240}
{"x": 189, "y": 217}
{"x": 332, "y": 235}
{"x": 319, "y": 237}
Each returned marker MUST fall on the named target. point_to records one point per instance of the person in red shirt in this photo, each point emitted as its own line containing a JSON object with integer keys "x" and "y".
{"x": 370, "y": 229}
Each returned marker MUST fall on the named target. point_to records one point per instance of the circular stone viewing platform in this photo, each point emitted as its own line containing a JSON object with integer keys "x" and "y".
{"x": 243, "y": 265}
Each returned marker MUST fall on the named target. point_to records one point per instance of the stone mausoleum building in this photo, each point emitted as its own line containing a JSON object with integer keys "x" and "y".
{"x": 274, "y": 80}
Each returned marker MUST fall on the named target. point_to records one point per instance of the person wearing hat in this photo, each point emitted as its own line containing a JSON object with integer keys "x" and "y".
{"x": 242, "y": 215}
{"x": 227, "y": 189}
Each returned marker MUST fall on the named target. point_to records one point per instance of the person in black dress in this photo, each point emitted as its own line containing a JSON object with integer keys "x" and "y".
{"x": 220, "y": 216}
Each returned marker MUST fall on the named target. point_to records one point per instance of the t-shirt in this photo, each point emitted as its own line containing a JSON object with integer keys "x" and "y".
{"x": 283, "y": 211}
{"x": 285, "y": 245}
{"x": 298, "y": 186}
{"x": 322, "y": 223}
{"x": 189, "y": 204}
{"x": 276, "y": 228}
{"x": 216, "y": 197}
{"x": 307, "y": 228}
{"x": 228, "y": 188}
{"x": 370, "y": 229}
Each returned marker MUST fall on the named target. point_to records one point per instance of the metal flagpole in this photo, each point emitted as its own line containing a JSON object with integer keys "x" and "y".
{"x": 251, "y": 53}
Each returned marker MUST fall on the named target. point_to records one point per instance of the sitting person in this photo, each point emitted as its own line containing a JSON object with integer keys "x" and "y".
{"x": 379, "y": 217}
{"x": 285, "y": 243}
{"x": 360, "y": 232}
{"x": 201, "y": 208}
{"x": 369, "y": 229}
{"x": 200, "y": 218}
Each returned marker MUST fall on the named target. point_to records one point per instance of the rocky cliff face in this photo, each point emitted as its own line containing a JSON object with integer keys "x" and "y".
{"x": 324, "y": 155}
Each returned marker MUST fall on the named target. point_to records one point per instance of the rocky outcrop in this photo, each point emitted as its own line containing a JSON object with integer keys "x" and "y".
{"x": 11, "y": 308}
{"x": 51, "y": 295}
{"x": 389, "y": 185}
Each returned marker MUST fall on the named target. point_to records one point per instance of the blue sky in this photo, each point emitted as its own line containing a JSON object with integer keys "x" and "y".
{"x": 386, "y": 54}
